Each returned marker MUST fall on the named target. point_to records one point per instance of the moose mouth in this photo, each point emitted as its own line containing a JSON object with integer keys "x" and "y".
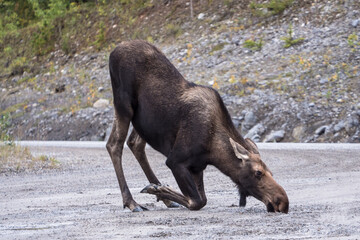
{"x": 270, "y": 207}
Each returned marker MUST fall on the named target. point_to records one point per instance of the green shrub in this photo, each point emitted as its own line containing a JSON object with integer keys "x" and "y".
{"x": 290, "y": 40}
{"x": 5, "y": 122}
{"x": 173, "y": 29}
{"x": 217, "y": 47}
{"x": 253, "y": 45}
{"x": 353, "y": 41}
{"x": 8, "y": 52}
{"x": 100, "y": 38}
{"x": 19, "y": 65}
{"x": 65, "y": 43}
{"x": 273, "y": 7}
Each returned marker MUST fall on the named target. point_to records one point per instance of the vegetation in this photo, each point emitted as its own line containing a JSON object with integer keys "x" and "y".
{"x": 353, "y": 41}
{"x": 217, "y": 47}
{"x": 15, "y": 158}
{"x": 253, "y": 45}
{"x": 290, "y": 40}
{"x": 5, "y": 122}
{"x": 272, "y": 7}
{"x": 34, "y": 28}
{"x": 173, "y": 30}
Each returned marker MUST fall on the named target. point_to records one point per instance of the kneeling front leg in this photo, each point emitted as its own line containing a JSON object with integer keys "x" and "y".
{"x": 190, "y": 198}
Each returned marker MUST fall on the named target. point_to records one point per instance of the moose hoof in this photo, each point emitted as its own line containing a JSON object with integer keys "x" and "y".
{"x": 139, "y": 209}
{"x": 151, "y": 189}
{"x": 134, "y": 206}
{"x": 171, "y": 204}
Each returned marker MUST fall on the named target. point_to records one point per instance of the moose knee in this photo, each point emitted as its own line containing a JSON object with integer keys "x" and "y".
{"x": 109, "y": 146}
{"x": 197, "y": 204}
{"x": 131, "y": 142}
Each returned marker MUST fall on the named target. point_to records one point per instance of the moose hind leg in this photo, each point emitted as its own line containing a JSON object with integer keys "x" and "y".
{"x": 137, "y": 146}
{"x": 115, "y": 146}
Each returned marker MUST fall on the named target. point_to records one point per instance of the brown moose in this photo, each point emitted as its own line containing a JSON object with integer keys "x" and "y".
{"x": 187, "y": 123}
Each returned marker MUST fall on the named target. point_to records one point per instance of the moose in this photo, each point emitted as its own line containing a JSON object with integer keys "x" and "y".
{"x": 189, "y": 124}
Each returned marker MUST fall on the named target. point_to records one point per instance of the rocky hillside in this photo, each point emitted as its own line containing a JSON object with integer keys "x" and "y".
{"x": 286, "y": 73}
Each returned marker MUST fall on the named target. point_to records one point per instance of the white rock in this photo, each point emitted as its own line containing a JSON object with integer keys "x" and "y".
{"x": 201, "y": 16}
{"x": 101, "y": 103}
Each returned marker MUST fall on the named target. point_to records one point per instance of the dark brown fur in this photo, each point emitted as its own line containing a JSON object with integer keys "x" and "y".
{"x": 187, "y": 123}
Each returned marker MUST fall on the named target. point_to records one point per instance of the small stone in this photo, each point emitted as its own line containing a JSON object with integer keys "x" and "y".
{"x": 338, "y": 127}
{"x": 311, "y": 104}
{"x": 201, "y": 16}
{"x": 323, "y": 81}
{"x": 275, "y": 136}
{"x": 256, "y": 138}
{"x": 297, "y": 132}
{"x": 100, "y": 89}
{"x": 101, "y": 103}
{"x": 355, "y": 23}
{"x": 321, "y": 130}
{"x": 96, "y": 114}
{"x": 340, "y": 100}
{"x": 249, "y": 121}
{"x": 257, "y": 130}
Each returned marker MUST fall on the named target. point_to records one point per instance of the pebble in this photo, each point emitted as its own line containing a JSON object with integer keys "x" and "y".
{"x": 321, "y": 130}
{"x": 323, "y": 81}
{"x": 339, "y": 126}
{"x": 201, "y": 16}
{"x": 255, "y": 132}
{"x": 275, "y": 136}
{"x": 355, "y": 23}
{"x": 249, "y": 121}
{"x": 101, "y": 103}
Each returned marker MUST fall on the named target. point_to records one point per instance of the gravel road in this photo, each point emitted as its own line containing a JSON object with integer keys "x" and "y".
{"x": 82, "y": 200}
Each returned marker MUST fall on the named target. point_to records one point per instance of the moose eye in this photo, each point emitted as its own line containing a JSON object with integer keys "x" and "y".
{"x": 258, "y": 173}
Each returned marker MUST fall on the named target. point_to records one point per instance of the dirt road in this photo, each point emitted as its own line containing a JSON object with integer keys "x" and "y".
{"x": 82, "y": 200}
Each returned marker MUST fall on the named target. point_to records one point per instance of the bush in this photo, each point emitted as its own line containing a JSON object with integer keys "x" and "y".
{"x": 173, "y": 29}
{"x": 253, "y": 45}
{"x": 290, "y": 40}
{"x": 273, "y": 7}
{"x": 18, "y": 66}
{"x": 5, "y": 122}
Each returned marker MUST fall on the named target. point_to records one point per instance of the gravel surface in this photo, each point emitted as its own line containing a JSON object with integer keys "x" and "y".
{"x": 82, "y": 200}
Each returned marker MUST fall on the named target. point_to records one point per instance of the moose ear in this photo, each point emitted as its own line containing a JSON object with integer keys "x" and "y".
{"x": 253, "y": 146}
{"x": 240, "y": 152}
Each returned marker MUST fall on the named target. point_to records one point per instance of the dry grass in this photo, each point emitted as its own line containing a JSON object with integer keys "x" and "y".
{"x": 14, "y": 158}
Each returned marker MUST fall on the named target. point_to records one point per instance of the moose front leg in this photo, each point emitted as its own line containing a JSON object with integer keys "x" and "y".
{"x": 199, "y": 181}
{"x": 190, "y": 198}
{"x": 137, "y": 146}
{"x": 242, "y": 202}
